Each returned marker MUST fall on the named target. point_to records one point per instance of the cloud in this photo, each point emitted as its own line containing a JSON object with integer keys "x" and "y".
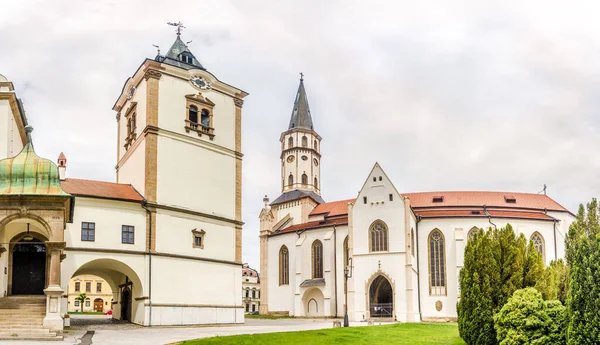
{"x": 446, "y": 96}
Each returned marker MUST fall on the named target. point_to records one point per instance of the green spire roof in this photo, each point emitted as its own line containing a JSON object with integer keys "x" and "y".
{"x": 301, "y": 114}
{"x": 28, "y": 174}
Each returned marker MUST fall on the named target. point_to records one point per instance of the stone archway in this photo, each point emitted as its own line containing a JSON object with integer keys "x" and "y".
{"x": 381, "y": 298}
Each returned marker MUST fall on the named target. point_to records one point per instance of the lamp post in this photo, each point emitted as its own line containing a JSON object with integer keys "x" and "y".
{"x": 347, "y": 274}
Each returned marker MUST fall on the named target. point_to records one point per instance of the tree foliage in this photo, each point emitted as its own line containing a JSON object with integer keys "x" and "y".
{"x": 81, "y": 298}
{"x": 527, "y": 319}
{"x": 583, "y": 258}
{"x": 555, "y": 282}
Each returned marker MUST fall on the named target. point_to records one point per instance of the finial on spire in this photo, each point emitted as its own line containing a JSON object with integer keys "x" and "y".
{"x": 179, "y": 26}
{"x": 157, "y": 48}
{"x": 266, "y": 201}
{"x": 28, "y": 130}
{"x": 301, "y": 76}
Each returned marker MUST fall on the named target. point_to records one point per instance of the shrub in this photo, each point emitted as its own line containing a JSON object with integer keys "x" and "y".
{"x": 527, "y": 319}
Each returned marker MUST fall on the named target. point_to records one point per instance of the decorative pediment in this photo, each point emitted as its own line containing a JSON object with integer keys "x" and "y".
{"x": 198, "y": 232}
{"x": 200, "y": 99}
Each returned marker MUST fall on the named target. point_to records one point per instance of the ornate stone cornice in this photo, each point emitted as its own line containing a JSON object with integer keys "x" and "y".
{"x": 152, "y": 74}
{"x": 52, "y": 245}
{"x": 238, "y": 102}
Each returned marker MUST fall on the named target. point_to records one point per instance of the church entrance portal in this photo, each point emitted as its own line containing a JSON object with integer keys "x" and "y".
{"x": 381, "y": 298}
{"x": 29, "y": 268}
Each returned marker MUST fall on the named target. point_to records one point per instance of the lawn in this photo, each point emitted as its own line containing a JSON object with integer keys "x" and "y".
{"x": 401, "y": 334}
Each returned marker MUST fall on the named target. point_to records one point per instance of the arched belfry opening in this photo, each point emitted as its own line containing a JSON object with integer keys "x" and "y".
{"x": 381, "y": 298}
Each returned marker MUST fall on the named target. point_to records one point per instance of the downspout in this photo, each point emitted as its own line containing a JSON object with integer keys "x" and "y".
{"x": 418, "y": 269}
{"x": 554, "y": 228}
{"x": 489, "y": 217}
{"x": 335, "y": 268}
{"x": 149, "y": 214}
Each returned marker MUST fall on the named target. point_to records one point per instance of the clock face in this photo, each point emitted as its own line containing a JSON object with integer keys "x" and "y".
{"x": 316, "y": 162}
{"x": 200, "y": 82}
{"x": 290, "y": 159}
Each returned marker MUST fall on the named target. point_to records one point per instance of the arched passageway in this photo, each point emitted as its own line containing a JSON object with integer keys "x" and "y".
{"x": 381, "y": 298}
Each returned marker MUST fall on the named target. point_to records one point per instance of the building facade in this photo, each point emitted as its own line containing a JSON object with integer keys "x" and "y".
{"x": 250, "y": 289}
{"x": 99, "y": 296}
{"x": 402, "y": 252}
{"x": 170, "y": 223}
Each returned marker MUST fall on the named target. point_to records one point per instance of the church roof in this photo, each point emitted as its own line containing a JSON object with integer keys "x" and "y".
{"x": 297, "y": 194}
{"x": 301, "y": 114}
{"x": 175, "y": 56}
{"x": 332, "y": 209}
{"x": 101, "y": 189}
{"x": 29, "y": 174}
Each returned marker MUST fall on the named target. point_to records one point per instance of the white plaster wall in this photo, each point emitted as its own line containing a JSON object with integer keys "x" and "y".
{"x": 140, "y": 97}
{"x": 133, "y": 171}
{"x": 109, "y": 216}
{"x": 196, "y": 178}
{"x": 281, "y": 298}
{"x": 174, "y": 235}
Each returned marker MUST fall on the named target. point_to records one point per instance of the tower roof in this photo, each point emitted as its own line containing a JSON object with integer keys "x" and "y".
{"x": 180, "y": 55}
{"x": 301, "y": 114}
{"x": 29, "y": 174}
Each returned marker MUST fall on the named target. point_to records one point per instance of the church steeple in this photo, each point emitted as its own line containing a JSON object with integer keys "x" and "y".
{"x": 179, "y": 54}
{"x": 301, "y": 114}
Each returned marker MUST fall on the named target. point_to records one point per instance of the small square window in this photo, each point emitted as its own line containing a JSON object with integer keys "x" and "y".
{"x": 198, "y": 241}
{"x": 380, "y": 178}
{"x": 438, "y": 199}
{"x": 374, "y": 179}
{"x": 365, "y": 199}
{"x": 88, "y": 231}
{"x": 127, "y": 234}
{"x": 77, "y": 303}
{"x": 87, "y": 303}
{"x": 88, "y": 287}
{"x": 391, "y": 197}
{"x": 198, "y": 238}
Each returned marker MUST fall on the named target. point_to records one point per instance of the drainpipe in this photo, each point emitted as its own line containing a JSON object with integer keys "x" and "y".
{"x": 335, "y": 268}
{"x": 489, "y": 217}
{"x": 555, "y": 250}
{"x": 149, "y": 214}
{"x": 418, "y": 268}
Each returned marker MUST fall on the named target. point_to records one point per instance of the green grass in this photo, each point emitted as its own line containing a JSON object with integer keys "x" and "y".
{"x": 85, "y": 313}
{"x": 400, "y": 334}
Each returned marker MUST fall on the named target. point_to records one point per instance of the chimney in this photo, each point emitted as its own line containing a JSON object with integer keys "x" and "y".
{"x": 62, "y": 166}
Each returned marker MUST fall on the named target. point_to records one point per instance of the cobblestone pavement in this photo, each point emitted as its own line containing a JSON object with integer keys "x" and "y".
{"x": 120, "y": 334}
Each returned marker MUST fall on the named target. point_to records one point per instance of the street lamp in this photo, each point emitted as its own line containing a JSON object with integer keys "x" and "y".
{"x": 347, "y": 274}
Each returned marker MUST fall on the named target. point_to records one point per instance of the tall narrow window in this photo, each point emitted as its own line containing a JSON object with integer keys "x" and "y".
{"x": 304, "y": 179}
{"x": 346, "y": 252}
{"x": 316, "y": 183}
{"x": 290, "y": 143}
{"x": 304, "y": 141}
{"x": 284, "y": 266}
{"x": 412, "y": 241}
{"x": 437, "y": 264}
{"x": 538, "y": 244}
{"x": 317, "y": 259}
{"x": 315, "y": 145}
{"x": 193, "y": 114}
{"x": 291, "y": 180}
{"x": 77, "y": 286}
{"x": 98, "y": 287}
{"x": 88, "y": 286}
{"x": 205, "y": 118}
{"x": 378, "y": 236}
{"x": 88, "y": 231}
{"x": 127, "y": 234}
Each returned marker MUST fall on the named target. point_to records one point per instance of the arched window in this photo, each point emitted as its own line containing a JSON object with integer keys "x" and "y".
{"x": 317, "y": 259}
{"x": 471, "y": 233}
{"x": 378, "y": 236}
{"x": 247, "y": 292}
{"x": 538, "y": 244}
{"x": 193, "y": 116}
{"x": 346, "y": 252}
{"x": 304, "y": 179}
{"x": 316, "y": 183}
{"x": 291, "y": 180}
{"x": 315, "y": 145}
{"x": 290, "y": 143}
{"x": 412, "y": 241}
{"x": 284, "y": 266}
{"x": 304, "y": 141}
{"x": 437, "y": 263}
{"x": 205, "y": 118}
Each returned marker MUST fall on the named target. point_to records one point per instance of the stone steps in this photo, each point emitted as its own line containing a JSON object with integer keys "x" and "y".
{"x": 22, "y": 318}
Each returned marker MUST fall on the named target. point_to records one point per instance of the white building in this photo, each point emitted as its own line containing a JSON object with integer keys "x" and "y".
{"x": 250, "y": 289}
{"x": 170, "y": 224}
{"x": 404, "y": 251}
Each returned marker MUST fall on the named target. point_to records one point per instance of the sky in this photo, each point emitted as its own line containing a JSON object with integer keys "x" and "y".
{"x": 461, "y": 95}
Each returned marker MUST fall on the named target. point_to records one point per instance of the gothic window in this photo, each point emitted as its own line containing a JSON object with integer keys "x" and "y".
{"x": 284, "y": 266}
{"x": 317, "y": 259}
{"x": 412, "y": 241}
{"x": 291, "y": 180}
{"x": 538, "y": 244}
{"x": 346, "y": 252}
{"x": 437, "y": 264}
{"x": 316, "y": 183}
{"x": 290, "y": 143}
{"x": 304, "y": 179}
{"x": 378, "y": 237}
{"x": 205, "y": 118}
{"x": 471, "y": 233}
{"x": 304, "y": 141}
{"x": 193, "y": 114}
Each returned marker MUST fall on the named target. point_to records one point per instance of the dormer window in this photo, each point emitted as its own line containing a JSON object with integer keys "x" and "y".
{"x": 510, "y": 199}
{"x": 187, "y": 58}
{"x": 438, "y": 198}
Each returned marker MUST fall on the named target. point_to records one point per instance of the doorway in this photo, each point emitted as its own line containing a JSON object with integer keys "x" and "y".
{"x": 126, "y": 304}
{"x": 29, "y": 268}
{"x": 381, "y": 298}
{"x": 98, "y": 305}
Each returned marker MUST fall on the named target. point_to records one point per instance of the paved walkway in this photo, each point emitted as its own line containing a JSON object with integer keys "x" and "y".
{"x": 116, "y": 335}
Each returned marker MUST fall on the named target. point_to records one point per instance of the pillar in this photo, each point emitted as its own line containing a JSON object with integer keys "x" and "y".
{"x": 53, "y": 292}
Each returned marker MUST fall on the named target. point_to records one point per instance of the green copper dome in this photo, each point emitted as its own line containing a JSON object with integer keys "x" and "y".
{"x": 28, "y": 174}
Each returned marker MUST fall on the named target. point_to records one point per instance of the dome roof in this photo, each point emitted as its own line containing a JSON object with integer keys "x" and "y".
{"x": 29, "y": 174}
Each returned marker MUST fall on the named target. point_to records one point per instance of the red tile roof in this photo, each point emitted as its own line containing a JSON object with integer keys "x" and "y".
{"x": 490, "y": 199}
{"x": 449, "y": 212}
{"x": 101, "y": 189}
{"x": 334, "y": 208}
{"x": 314, "y": 225}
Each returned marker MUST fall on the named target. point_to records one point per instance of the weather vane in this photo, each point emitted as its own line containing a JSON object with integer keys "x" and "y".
{"x": 301, "y": 76}
{"x": 157, "y": 48}
{"x": 179, "y": 26}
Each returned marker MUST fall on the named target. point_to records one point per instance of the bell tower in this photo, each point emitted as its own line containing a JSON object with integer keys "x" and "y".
{"x": 301, "y": 149}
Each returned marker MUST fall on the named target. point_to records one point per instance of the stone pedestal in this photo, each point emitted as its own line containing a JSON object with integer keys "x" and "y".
{"x": 53, "y": 320}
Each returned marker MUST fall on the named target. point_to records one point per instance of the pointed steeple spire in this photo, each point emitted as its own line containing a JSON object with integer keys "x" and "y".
{"x": 301, "y": 114}
{"x": 179, "y": 54}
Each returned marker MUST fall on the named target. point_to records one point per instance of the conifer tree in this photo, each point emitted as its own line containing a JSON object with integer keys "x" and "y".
{"x": 533, "y": 269}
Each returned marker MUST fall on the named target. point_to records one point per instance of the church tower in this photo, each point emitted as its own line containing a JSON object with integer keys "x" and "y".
{"x": 301, "y": 149}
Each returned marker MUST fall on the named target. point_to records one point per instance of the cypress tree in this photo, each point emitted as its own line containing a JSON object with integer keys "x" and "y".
{"x": 533, "y": 270}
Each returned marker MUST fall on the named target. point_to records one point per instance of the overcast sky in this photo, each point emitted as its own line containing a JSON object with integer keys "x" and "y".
{"x": 461, "y": 95}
